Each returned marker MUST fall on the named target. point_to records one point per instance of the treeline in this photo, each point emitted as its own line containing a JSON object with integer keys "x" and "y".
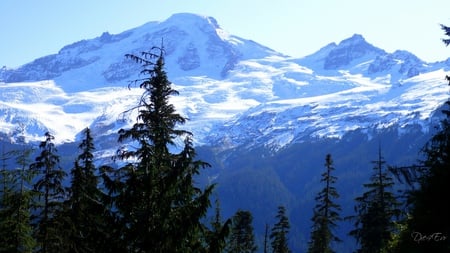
{"x": 149, "y": 201}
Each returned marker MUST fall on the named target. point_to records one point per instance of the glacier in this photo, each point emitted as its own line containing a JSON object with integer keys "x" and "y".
{"x": 230, "y": 88}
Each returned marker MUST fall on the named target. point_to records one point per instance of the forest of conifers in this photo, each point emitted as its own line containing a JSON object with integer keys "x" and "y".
{"x": 150, "y": 201}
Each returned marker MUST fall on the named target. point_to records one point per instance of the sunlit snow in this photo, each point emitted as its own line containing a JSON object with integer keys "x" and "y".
{"x": 232, "y": 90}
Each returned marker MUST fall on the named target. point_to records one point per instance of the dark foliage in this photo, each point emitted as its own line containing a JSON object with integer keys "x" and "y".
{"x": 158, "y": 206}
{"x": 447, "y": 33}
{"x": 51, "y": 193}
{"x": 242, "y": 238}
{"x": 280, "y": 232}
{"x": 427, "y": 227}
{"x": 326, "y": 213}
{"x": 16, "y": 233}
{"x": 85, "y": 217}
{"x": 376, "y": 211}
{"x": 219, "y": 232}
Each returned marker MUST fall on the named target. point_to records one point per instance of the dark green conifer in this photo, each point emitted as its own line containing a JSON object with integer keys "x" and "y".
{"x": 447, "y": 33}
{"x": 84, "y": 215}
{"x": 15, "y": 198}
{"x": 159, "y": 206}
{"x": 6, "y": 207}
{"x": 16, "y": 233}
{"x": 326, "y": 213}
{"x": 216, "y": 236}
{"x": 280, "y": 231}
{"x": 376, "y": 211}
{"x": 51, "y": 194}
{"x": 242, "y": 238}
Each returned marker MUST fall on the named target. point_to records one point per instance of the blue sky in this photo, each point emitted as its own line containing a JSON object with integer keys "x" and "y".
{"x": 33, "y": 28}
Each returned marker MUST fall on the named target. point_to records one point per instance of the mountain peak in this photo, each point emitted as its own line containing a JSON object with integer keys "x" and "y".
{"x": 349, "y": 50}
{"x": 405, "y": 63}
{"x": 186, "y": 19}
{"x": 194, "y": 45}
{"x": 355, "y": 39}
{"x": 190, "y": 18}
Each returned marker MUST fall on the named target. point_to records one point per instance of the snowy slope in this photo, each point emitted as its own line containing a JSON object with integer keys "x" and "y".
{"x": 345, "y": 103}
{"x": 194, "y": 46}
{"x": 233, "y": 90}
{"x": 43, "y": 106}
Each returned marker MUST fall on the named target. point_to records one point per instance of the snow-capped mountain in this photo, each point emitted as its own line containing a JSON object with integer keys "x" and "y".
{"x": 194, "y": 46}
{"x": 233, "y": 90}
{"x": 263, "y": 119}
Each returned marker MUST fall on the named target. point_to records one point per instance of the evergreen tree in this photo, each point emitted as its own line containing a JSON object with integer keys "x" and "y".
{"x": 376, "y": 211}
{"x": 84, "y": 213}
{"x": 242, "y": 238}
{"x": 447, "y": 40}
{"x": 326, "y": 213}
{"x": 216, "y": 236}
{"x": 51, "y": 195}
{"x": 280, "y": 231}
{"x": 15, "y": 198}
{"x": 6, "y": 208}
{"x": 428, "y": 223}
{"x": 159, "y": 206}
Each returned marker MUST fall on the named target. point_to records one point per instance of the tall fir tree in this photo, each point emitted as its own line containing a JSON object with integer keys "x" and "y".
{"x": 216, "y": 236}
{"x": 26, "y": 241}
{"x": 428, "y": 223}
{"x": 159, "y": 206}
{"x": 16, "y": 233}
{"x": 7, "y": 192}
{"x": 84, "y": 213}
{"x": 280, "y": 231}
{"x": 376, "y": 211}
{"x": 242, "y": 238}
{"x": 325, "y": 214}
{"x": 51, "y": 194}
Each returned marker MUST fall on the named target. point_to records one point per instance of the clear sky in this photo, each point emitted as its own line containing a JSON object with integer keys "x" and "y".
{"x": 33, "y": 28}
